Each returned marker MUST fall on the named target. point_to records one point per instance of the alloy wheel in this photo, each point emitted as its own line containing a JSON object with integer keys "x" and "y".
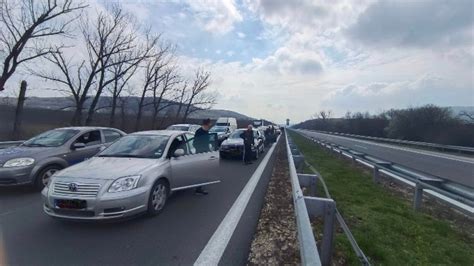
{"x": 159, "y": 197}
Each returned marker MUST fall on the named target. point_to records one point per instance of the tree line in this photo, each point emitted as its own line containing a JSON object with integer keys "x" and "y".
{"x": 90, "y": 54}
{"x": 427, "y": 123}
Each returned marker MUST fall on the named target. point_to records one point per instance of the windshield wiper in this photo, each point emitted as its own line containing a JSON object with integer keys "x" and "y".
{"x": 35, "y": 145}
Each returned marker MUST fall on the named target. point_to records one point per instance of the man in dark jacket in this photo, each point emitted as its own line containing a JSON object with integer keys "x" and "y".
{"x": 201, "y": 137}
{"x": 201, "y": 144}
{"x": 247, "y": 135}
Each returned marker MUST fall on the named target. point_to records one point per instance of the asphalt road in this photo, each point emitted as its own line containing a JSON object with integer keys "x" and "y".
{"x": 175, "y": 237}
{"x": 457, "y": 169}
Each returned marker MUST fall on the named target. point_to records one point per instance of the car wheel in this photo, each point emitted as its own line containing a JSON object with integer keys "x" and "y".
{"x": 158, "y": 197}
{"x": 44, "y": 176}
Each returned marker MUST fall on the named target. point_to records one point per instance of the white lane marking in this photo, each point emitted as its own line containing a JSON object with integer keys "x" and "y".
{"x": 212, "y": 252}
{"x": 439, "y": 155}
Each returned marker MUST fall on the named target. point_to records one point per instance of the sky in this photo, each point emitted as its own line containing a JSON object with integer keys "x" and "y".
{"x": 278, "y": 59}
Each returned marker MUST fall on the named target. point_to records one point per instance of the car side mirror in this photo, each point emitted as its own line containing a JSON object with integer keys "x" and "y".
{"x": 78, "y": 145}
{"x": 178, "y": 153}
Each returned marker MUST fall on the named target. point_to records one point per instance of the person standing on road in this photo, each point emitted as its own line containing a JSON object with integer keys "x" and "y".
{"x": 247, "y": 135}
{"x": 201, "y": 144}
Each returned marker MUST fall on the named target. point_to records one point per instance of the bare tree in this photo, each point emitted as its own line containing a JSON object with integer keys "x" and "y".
{"x": 162, "y": 86}
{"x": 153, "y": 71}
{"x": 113, "y": 52}
{"x": 324, "y": 115}
{"x": 122, "y": 74}
{"x": 198, "y": 97}
{"x": 180, "y": 99}
{"x": 112, "y": 41}
{"x": 468, "y": 115}
{"x": 19, "y": 111}
{"x": 24, "y": 26}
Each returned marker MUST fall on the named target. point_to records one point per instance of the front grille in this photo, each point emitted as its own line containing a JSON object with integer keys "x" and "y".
{"x": 76, "y": 213}
{"x": 233, "y": 148}
{"x": 81, "y": 189}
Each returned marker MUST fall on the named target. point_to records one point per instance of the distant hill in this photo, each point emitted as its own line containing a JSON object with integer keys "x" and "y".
{"x": 66, "y": 103}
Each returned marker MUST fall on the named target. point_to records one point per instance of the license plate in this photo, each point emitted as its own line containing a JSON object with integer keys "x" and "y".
{"x": 70, "y": 204}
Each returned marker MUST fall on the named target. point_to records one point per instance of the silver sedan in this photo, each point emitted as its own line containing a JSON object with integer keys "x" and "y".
{"x": 136, "y": 174}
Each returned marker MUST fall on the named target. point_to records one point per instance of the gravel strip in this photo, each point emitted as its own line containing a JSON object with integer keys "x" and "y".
{"x": 275, "y": 241}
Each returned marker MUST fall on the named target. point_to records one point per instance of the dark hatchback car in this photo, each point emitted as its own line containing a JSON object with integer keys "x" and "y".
{"x": 37, "y": 159}
{"x": 233, "y": 146}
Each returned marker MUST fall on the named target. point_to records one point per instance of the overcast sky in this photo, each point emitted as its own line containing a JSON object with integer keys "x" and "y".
{"x": 279, "y": 59}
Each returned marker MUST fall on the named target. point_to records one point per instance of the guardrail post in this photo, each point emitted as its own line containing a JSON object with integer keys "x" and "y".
{"x": 376, "y": 174}
{"x": 309, "y": 180}
{"x": 325, "y": 208}
{"x": 299, "y": 162}
{"x": 418, "y": 197}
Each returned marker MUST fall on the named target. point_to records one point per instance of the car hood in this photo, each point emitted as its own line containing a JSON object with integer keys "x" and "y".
{"x": 20, "y": 152}
{"x": 238, "y": 141}
{"x": 109, "y": 168}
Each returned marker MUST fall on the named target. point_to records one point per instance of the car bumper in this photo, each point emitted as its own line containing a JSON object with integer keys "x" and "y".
{"x": 16, "y": 176}
{"x": 106, "y": 207}
{"x": 234, "y": 151}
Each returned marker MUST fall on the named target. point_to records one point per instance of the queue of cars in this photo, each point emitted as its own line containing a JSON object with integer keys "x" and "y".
{"x": 95, "y": 173}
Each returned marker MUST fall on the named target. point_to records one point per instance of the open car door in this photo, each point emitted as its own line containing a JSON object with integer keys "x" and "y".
{"x": 196, "y": 167}
{"x": 207, "y": 161}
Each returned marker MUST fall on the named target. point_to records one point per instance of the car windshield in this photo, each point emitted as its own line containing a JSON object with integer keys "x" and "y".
{"x": 52, "y": 138}
{"x": 236, "y": 134}
{"x": 179, "y": 128}
{"x": 137, "y": 146}
{"x": 218, "y": 129}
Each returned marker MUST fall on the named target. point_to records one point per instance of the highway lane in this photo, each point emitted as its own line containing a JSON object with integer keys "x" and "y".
{"x": 175, "y": 237}
{"x": 455, "y": 168}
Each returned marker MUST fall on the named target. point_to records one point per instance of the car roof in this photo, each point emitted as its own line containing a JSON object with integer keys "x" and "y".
{"x": 87, "y": 128}
{"x": 184, "y": 125}
{"x": 160, "y": 132}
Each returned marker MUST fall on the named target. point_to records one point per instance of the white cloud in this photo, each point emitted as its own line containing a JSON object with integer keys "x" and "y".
{"x": 241, "y": 35}
{"x": 425, "y": 23}
{"x": 382, "y": 96}
{"x": 216, "y": 16}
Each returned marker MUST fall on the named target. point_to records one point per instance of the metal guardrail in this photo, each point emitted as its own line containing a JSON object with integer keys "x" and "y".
{"x": 308, "y": 249}
{"x": 433, "y": 185}
{"x": 6, "y": 144}
{"x": 309, "y": 206}
{"x": 318, "y": 207}
{"x": 405, "y": 142}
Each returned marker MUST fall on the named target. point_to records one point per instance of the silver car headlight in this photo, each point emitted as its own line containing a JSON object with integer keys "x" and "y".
{"x": 18, "y": 162}
{"x": 124, "y": 183}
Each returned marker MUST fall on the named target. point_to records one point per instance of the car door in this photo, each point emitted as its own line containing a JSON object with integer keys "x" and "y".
{"x": 93, "y": 144}
{"x": 193, "y": 169}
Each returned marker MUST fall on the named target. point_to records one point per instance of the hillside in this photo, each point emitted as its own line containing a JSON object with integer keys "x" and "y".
{"x": 66, "y": 103}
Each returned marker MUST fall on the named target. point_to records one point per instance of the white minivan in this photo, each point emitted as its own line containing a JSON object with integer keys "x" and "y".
{"x": 230, "y": 122}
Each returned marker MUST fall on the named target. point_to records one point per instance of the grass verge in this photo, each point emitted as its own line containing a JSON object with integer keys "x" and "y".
{"x": 384, "y": 225}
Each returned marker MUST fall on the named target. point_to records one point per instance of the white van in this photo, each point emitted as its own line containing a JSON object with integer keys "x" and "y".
{"x": 230, "y": 122}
